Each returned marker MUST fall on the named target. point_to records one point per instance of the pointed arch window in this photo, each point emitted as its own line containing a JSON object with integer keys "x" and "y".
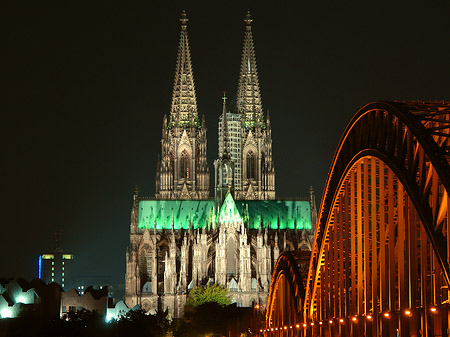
{"x": 171, "y": 162}
{"x": 184, "y": 165}
{"x": 145, "y": 264}
{"x": 251, "y": 165}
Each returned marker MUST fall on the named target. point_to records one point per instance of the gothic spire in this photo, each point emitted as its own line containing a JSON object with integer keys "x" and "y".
{"x": 248, "y": 96}
{"x": 184, "y": 102}
{"x": 224, "y": 142}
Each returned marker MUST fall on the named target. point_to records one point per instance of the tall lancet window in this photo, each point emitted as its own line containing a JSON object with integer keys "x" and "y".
{"x": 231, "y": 258}
{"x": 171, "y": 163}
{"x": 184, "y": 165}
{"x": 250, "y": 165}
{"x": 145, "y": 264}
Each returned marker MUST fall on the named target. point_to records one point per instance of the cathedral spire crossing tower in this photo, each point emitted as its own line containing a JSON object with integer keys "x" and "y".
{"x": 257, "y": 174}
{"x": 224, "y": 166}
{"x": 182, "y": 172}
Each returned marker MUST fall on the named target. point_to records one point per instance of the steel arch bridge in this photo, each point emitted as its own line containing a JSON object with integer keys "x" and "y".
{"x": 380, "y": 261}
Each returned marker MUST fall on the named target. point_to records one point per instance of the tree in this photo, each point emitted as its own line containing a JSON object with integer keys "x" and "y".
{"x": 209, "y": 293}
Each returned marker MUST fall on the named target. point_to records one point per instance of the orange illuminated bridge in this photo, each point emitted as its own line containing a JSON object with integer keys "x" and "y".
{"x": 379, "y": 265}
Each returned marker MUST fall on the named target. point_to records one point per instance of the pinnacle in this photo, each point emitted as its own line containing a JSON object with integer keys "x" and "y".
{"x": 184, "y": 102}
{"x": 248, "y": 18}
{"x": 249, "y": 102}
{"x": 184, "y": 18}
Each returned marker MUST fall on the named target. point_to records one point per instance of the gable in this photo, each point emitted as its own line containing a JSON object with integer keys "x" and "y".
{"x": 229, "y": 212}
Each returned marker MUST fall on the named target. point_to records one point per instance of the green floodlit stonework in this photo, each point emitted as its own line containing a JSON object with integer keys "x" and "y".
{"x": 229, "y": 212}
{"x": 272, "y": 214}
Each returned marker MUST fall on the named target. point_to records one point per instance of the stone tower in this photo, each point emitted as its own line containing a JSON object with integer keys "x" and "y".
{"x": 256, "y": 180}
{"x": 224, "y": 166}
{"x": 182, "y": 171}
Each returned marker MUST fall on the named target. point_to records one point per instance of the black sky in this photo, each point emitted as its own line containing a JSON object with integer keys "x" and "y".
{"x": 86, "y": 87}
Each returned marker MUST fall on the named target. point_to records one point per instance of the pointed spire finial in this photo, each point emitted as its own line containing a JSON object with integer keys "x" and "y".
{"x": 136, "y": 193}
{"x": 248, "y": 18}
{"x": 224, "y": 140}
{"x": 184, "y": 18}
{"x": 248, "y": 98}
{"x": 184, "y": 101}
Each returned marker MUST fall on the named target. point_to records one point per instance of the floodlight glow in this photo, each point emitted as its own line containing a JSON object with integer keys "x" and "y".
{"x": 341, "y": 320}
{"x": 6, "y": 313}
{"x": 354, "y": 319}
{"x": 408, "y": 312}
{"x": 369, "y": 317}
{"x": 305, "y": 325}
{"x": 108, "y": 318}
{"x": 330, "y": 321}
{"x": 297, "y": 325}
{"x": 433, "y": 310}
{"x": 21, "y": 299}
{"x": 387, "y": 315}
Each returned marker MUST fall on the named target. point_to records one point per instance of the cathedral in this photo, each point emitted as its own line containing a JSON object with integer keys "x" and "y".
{"x": 182, "y": 237}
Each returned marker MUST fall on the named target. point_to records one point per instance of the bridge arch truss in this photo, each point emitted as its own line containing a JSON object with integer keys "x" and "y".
{"x": 380, "y": 262}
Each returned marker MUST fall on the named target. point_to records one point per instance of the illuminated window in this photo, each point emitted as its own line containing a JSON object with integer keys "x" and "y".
{"x": 251, "y": 174}
{"x": 184, "y": 165}
{"x": 53, "y": 263}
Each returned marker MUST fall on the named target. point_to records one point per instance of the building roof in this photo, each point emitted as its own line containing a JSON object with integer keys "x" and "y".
{"x": 272, "y": 214}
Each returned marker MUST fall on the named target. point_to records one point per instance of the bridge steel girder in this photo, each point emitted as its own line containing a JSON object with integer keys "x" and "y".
{"x": 383, "y": 230}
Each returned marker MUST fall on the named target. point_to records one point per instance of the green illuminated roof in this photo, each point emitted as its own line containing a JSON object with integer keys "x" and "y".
{"x": 276, "y": 214}
{"x": 161, "y": 213}
{"x": 228, "y": 211}
{"x": 271, "y": 214}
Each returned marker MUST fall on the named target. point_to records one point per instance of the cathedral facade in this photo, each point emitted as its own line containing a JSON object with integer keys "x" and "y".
{"x": 182, "y": 238}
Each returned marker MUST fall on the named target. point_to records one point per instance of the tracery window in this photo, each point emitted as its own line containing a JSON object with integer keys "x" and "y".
{"x": 171, "y": 162}
{"x": 145, "y": 264}
{"x": 251, "y": 165}
{"x": 184, "y": 165}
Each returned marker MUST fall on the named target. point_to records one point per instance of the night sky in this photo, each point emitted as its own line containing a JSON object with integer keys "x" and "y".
{"x": 86, "y": 87}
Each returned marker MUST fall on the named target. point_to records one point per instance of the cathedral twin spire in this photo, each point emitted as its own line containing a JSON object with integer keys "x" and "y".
{"x": 249, "y": 102}
{"x": 183, "y": 170}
